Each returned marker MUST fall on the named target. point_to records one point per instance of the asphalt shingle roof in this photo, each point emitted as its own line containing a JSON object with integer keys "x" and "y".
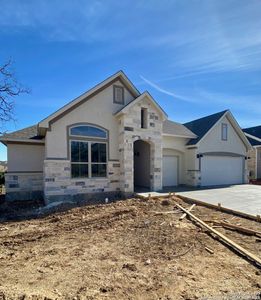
{"x": 28, "y": 133}
{"x": 201, "y": 126}
{"x": 253, "y": 142}
{"x": 255, "y": 131}
{"x": 175, "y": 128}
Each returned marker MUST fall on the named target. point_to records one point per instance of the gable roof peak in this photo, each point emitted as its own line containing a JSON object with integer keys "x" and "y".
{"x": 141, "y": 96}
{"x": 120, "y": 75}
{"x": 202, "y": 125}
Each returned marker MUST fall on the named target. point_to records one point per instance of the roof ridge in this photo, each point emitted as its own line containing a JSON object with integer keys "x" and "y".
{"x": 220, "y": 112}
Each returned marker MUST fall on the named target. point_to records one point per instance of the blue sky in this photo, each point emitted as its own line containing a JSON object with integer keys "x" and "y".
{"x": 196, "y": 57}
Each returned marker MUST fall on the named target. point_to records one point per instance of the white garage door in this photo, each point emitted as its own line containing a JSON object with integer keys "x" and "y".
{"x": 219, "y": 170}
{"x": 170, "y": 170}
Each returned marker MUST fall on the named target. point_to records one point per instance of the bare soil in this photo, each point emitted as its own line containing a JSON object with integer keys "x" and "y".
{"x": 124, "y": 250}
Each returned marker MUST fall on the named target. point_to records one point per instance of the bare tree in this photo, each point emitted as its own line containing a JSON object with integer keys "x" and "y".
{"x": 9, "y": 89}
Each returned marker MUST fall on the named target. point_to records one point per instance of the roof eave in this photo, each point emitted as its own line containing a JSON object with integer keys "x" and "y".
{"x": 239, "y": 130}
{"x": 27, "y": 141}
{"x": 178, "y": 135}
{"x": 252, "y": 137}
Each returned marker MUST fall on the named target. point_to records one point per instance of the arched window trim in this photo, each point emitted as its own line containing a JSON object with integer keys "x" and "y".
{"x": 88, "y": 136}
{"x": 90, "y": 140}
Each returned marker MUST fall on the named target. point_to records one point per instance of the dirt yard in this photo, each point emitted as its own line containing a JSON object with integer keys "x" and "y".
{"x": 124, "y": 250}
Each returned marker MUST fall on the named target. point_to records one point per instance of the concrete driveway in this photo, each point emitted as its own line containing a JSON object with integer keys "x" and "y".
{"x": 245, "y": 197}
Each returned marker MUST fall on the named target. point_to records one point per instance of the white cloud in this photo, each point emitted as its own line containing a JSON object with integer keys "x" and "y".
{"x": 201, "y": 96}
{"x": 166, "y": 92}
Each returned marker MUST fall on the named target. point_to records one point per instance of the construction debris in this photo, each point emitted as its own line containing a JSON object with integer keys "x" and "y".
{"x": 209, "y": 250}
{"x": 184, "y": 215}
{"x": 123, "y": 250}
{"x": 237, "y": 228}
{"x": 224, "y": 239}
{"x": 220, "y": 208}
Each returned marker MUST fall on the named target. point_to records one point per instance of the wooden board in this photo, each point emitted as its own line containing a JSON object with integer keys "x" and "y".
{"x": 220, "y": 208}
{"x": 225, "y": 239}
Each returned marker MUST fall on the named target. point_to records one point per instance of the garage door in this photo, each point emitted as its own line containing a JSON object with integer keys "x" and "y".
{"x": 170, "y": 171}
{"x": 219, "y": 170}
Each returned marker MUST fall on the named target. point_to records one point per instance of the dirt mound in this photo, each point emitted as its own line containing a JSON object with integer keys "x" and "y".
{"x": 124, "y": 250}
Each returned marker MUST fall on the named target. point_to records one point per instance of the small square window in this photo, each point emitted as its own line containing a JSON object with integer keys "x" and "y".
{"x": 224, "y": 132}
{"x": 118, "y": 94}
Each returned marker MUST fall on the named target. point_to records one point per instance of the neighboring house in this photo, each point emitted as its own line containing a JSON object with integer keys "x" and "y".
{"x": 113, "y": 139}
{"x": 253, "y": 134}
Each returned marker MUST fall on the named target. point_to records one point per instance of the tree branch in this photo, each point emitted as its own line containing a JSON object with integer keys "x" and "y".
{"x": 9, "y": 89}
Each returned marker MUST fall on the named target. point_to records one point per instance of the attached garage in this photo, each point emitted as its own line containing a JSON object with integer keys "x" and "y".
{"x": 170, "y": 170}
{"x": 221, "y": 170}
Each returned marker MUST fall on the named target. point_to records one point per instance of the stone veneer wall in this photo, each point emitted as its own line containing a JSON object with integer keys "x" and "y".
{"x": 129, "y": 132}
{"x": 24, "y": 186}
{"x": 193, "y": 178}
{"x": 251, "y": 163}
{"x": 58, "y": 184}
{"x": 258, "y": 162}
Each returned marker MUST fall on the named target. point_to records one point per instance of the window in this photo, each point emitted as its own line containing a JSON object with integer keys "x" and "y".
{"x": 144, "y": 118}
{"x": 99, "y": 159}
{"x": 79, "y": 159}
{"x": 89, "y": 131}
{"x": 224, "y": 132}
{"x": 88, "y": 159}
{"x": 118, "y": 94}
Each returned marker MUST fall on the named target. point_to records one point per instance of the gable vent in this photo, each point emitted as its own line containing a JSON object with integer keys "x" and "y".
{"x": 118, "y": 94}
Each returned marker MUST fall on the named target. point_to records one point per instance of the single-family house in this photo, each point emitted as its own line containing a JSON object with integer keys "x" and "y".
{"x": 114, "y": 139}
{"x": 253, "y": 135}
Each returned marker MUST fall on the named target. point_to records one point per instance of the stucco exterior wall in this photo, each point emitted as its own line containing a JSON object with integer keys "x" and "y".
{"x": 98, "y": 110}
{"x": 213, "y": 142}
{"x": 24, "y": 180}
{"x": 192, "y": 172}
{"x": 25, "y": 158}
{"x": 176, "y": 146}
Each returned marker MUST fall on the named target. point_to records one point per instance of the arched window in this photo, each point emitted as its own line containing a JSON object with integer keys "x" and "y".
{"x": 88, "y": 157}
{"x": 88, "y": 131}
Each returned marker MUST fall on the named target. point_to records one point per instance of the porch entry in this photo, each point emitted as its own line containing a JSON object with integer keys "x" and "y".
{"x": 141, "y": 164}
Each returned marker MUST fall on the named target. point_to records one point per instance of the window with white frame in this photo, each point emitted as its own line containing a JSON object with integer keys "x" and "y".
{"x": 79, "y": 159}
{"x": 224, "y": 132}
{"x": 88, "y": 157}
